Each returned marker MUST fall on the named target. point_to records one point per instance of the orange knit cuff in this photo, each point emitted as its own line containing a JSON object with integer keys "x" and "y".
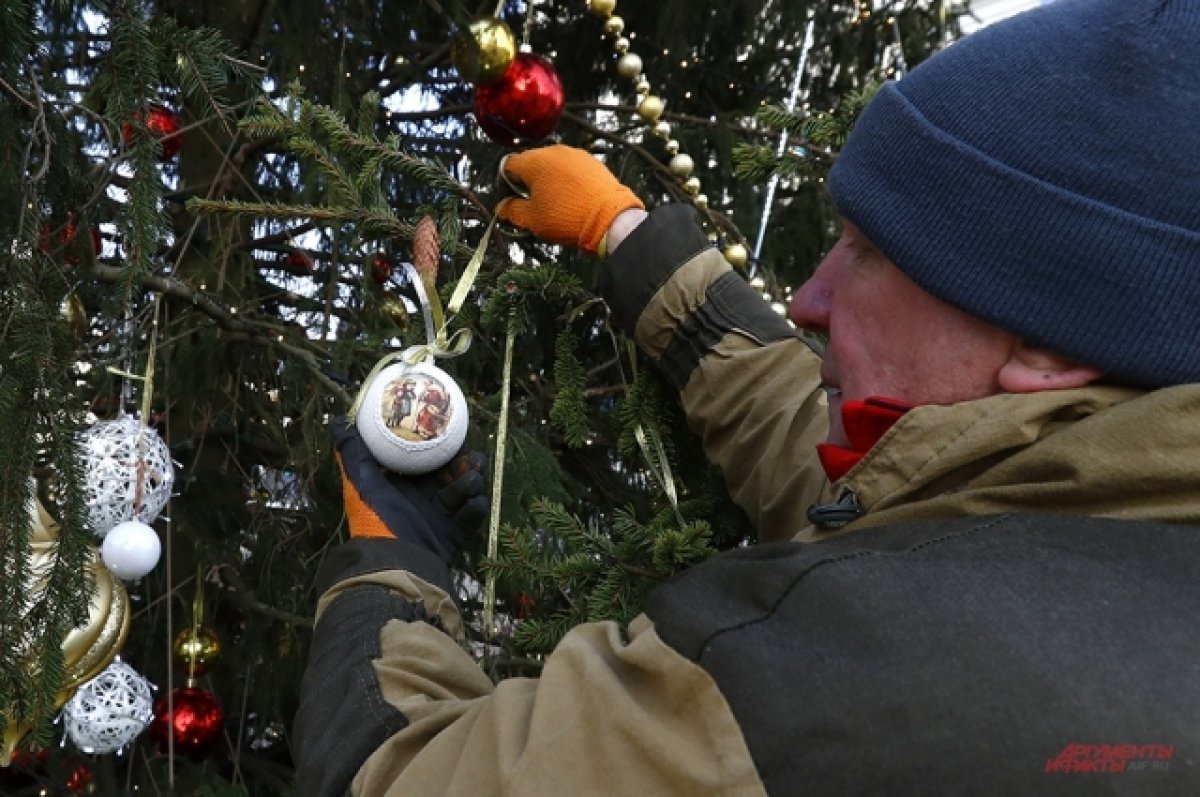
{"x": 364, "y": 522}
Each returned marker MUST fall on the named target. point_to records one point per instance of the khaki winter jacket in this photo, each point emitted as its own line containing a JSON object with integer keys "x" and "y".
{"x": 921, "y": 656}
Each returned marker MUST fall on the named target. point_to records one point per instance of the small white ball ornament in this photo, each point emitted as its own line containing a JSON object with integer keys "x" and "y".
{"x": 116, "y": 455}
{"x": 130, "y": 550}
{"x": 413, "y": 417}
{"x": 109, "y": 711}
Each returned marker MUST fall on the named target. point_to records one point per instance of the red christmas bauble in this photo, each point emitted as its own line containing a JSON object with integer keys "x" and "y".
{"x": 381, "y": 268}
{"x": 523, "y": 105}
{"x": 24, "y": 771}
{"x": 68, "y": 246}
{"x": 196, "y": 722}
{"x": 164, "y": 124}
{"x": 301, "y": 261}
{"x": 79, "y": 779}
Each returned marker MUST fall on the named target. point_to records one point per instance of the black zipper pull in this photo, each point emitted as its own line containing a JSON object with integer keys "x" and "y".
{"x": 836, "y": 515}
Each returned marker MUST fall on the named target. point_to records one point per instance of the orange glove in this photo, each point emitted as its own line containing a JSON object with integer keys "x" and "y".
{"x": 572, "y": 198}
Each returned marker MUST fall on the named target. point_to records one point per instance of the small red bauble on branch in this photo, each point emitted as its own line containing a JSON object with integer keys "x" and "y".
{"x": 163, "y": 124}
{"x": 196, "y": 721}
{"x": 79, "y": 779}
{"x": 381, "y": 268}
{"x": 69, "y": 245}
{"x": 523, "y": 105}
{"x": 301, "y": 262}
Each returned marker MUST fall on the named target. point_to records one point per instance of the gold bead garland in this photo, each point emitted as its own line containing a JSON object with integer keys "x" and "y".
{"x": 650, "y": 108}
{"x": 681, "y": 165}
{"x": 629, "y": 66}
{"x": 737, "y": 255}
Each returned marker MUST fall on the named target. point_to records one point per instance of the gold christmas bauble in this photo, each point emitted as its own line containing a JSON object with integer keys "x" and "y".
{"x": 650, "y": 108}
{"x": 614, "y": 25}
{"x": 75, "y": 314}
{"x": 602, "y": 8}
{"x": 621, "y": 45}
{"x": 672, "y": 146}
{"x": 737, "y": 255}
{"x": 700, "y": 201}
{"x": 392, "y": 308}
{"x": 196, "y": 650}
{"x": 483, "y": 50}
{"x": 692, "y": 185}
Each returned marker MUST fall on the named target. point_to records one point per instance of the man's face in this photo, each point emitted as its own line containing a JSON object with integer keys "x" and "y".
{"x": 888, "y": 337}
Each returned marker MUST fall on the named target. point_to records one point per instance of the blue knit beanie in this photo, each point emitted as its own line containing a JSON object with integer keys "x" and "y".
{"x": 1044, "y": 174}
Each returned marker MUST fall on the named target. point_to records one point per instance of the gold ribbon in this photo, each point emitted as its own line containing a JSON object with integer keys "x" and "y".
{"x": 650, "y": 443}
{"x": 489, "y": 594}
{"x": 441, "y": 343}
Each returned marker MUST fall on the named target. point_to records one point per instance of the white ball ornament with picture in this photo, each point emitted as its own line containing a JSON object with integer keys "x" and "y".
{"x": 413, "y": 416}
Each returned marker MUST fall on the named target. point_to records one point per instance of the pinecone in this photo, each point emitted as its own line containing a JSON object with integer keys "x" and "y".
{"x": 426, "y": 248}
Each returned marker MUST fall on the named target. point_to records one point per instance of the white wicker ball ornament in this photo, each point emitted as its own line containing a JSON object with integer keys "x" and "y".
{"x": 130, "y": 550}
{"x": 117, "y": 454}
{"x": 413, "y": 418}
{"x": 109, "y": 711}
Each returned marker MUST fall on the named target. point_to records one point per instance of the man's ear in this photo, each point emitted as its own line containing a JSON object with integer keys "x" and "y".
{"x": 1031, "y": 368}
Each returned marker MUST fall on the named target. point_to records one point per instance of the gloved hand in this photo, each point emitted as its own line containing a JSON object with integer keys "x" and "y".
{"x": 572, "y": 197}
{"x": 437, "y": 511}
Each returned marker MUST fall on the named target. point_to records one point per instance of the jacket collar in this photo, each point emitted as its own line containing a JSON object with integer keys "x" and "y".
{"x": 1100, "y": 450}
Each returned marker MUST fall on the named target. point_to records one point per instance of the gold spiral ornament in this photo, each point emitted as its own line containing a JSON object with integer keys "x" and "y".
{"x": 89, "y": 647}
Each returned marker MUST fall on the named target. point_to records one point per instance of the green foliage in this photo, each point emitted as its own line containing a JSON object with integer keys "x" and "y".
{"x": 815, "y": 139}
{"x": 568, "y": 411}
{"x": 202, "y": 64}
{"x": 577, "y": 572}
{"x": 350, "y": 164}
{"x": 37, "y": 425}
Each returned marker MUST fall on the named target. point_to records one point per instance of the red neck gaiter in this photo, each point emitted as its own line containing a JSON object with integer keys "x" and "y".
{"x": 865, "y": 422}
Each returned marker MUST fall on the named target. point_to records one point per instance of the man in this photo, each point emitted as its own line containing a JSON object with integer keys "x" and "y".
{"x": 998, "y": 478}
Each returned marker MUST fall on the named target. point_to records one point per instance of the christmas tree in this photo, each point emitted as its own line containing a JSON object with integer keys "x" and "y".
{"x": 220, "y": 216}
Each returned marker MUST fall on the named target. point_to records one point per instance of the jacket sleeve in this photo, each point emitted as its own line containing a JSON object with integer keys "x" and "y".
{"x": 392, "y": 704}
{"x": 749, "y": 385}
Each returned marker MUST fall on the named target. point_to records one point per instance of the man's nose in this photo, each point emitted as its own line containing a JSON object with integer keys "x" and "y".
{"x": 809, "y": 308}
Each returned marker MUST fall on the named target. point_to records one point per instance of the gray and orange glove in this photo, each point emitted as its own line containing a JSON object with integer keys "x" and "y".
{"x": 570, "y": 198}
{"x": 437, "y": 511}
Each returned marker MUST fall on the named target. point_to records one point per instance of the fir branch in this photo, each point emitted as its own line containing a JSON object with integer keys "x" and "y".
{"x": 756, "y": 164}
{"x": 202, "y": 62}
{"x": 817, "y": 137}
{"x": 568, "y": 412}
{"x": 247, "y": 598}
{"x": 39, "y": 417}
{"x": 255, "y": 332}
{"x": 341, "y": 185}
{"x": 592, "y": 571}
{"x": 645, "y": 405}
{"x": 525, "y": 286}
